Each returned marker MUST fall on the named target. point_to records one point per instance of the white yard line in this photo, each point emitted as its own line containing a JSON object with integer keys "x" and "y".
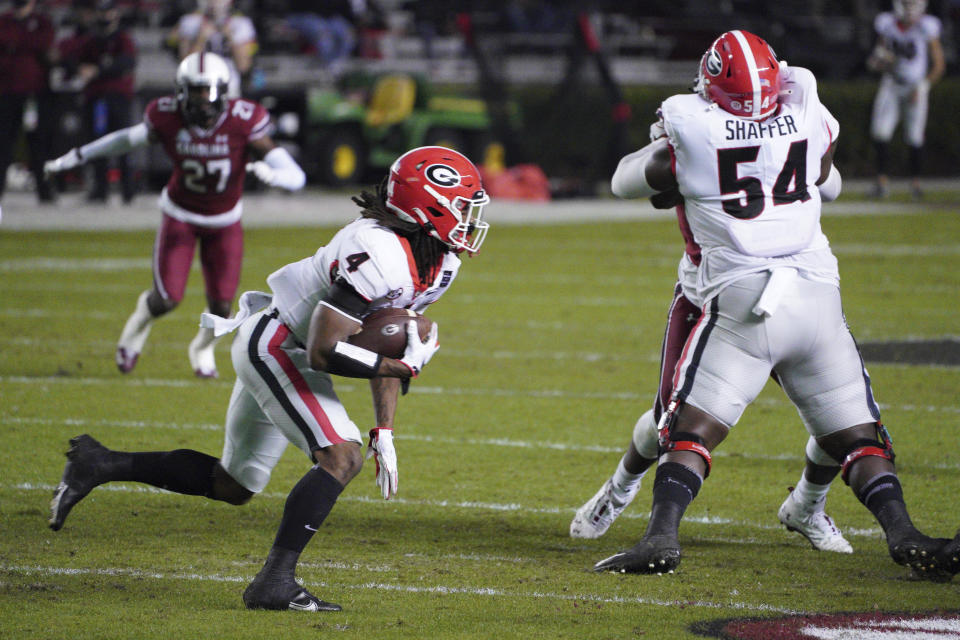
{"x": 123, "y": 487}
{"x": 417, "y": 389}
{"x": 82, "y": 424}
{"x": 401, "y": 588}
{"x": 315, "y": 207}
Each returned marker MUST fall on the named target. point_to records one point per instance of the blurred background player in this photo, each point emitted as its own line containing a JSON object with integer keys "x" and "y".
{"x": 747, "y": 152}
{"x": 909, "y": 55}
{"x": 216, "y": 28}
{"x": 104, "y": 61}
{"x": 392, "y": 256}
{"x": 209, "y": 139}
{"x": 26, "y": 41}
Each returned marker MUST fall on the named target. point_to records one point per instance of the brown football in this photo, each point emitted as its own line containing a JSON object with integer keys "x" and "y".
{"x": 385, "y": 331}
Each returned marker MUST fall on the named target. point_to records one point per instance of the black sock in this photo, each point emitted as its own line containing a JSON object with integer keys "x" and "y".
{"x": 883, "y": 496}
{"x": 307, "y": 506}
{"x": 674, "y": 488}
{"x": 916, "y": 161}
{"x": 182, "y": 471}
{"x": 881, "y": 150}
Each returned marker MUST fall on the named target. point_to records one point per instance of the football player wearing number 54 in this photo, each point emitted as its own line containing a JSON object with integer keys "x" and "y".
{"x": 209, "y": 139}
{"x": 751, "y": 153}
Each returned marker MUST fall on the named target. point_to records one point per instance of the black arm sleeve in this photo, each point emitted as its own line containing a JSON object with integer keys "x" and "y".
{"x": 345, "y": 298}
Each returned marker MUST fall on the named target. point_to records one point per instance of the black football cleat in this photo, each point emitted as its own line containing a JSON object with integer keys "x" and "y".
{"x": 652, "y": 555}
{"x": 83, "y": 471}
{"x": 935, "y": 559}
{"x": 282, "y": 594}
{"x": 948, "y": 557}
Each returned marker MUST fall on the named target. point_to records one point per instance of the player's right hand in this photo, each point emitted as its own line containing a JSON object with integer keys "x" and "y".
{"x": 67, "y": 161}
{"x": 385, "y": 455}
{"x": 263, "y": 171}
{"x": 418, "y": 353}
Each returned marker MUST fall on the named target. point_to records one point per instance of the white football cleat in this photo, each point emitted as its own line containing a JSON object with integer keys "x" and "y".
{"x": 134, "y": 335}
{"x": 816, "y": 526}
{"x": 201, "y": 356}
{"x": 595, "y": 517}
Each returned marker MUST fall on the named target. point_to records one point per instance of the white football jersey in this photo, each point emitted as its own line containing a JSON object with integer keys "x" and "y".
{"x": 910, "y": 45}
{"x": 749, "y": 186}
{"x": 376, "y": 262}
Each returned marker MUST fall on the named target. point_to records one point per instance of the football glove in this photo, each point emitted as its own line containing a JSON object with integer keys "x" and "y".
{"x": 418, "y": 354}
{"x": 67, "y": 161}
{"x": 381, "y": 448}
{"x": 657, "y": 130}
{"x": 263, "y": 171}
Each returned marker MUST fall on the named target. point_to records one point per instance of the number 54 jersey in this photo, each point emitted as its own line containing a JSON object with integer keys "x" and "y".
{"x": 749, "y": 187}
{"x": 209, "y": 165}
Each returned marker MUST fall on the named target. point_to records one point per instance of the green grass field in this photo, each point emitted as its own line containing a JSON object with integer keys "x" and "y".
{"x": 549, "y": 352}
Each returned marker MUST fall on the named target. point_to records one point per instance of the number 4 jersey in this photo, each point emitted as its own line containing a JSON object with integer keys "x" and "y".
{"x": 374, "y": 261}
{"x": 209, "y": 165}
{"x": 749, "y": 187}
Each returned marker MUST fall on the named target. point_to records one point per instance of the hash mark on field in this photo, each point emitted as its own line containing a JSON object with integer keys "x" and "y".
{"x": 121, "y": 487}
{"x": 380, "y": 586}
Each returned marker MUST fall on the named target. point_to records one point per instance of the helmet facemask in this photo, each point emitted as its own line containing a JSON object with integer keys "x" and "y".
{"x": 469, "y": 233}
{"x": 202, "y": 104}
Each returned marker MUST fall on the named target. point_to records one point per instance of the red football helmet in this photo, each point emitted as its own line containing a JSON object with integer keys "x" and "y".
{"x": 740, "y": 73}
{"x": 440, "y": 189}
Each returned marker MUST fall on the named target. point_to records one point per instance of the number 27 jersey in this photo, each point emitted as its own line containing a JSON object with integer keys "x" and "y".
{"x": 209, "y": 165}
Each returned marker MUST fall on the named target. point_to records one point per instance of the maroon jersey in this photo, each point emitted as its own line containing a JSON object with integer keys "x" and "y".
{"x": 116, "y": 57}
{"x": 209, "y": 165}
{"x": 23, "y": 49}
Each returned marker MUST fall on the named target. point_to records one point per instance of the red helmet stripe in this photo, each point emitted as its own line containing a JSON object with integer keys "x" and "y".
{"x": 752, "y": 69}
{"x": 201, "y": 62}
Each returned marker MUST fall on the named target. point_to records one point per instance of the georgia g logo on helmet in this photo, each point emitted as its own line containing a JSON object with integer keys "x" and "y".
{"x": 442, "y": 175}
{"x": 714, "y": 62}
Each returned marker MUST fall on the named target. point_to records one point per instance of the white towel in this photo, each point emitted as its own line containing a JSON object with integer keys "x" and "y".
{"x": 780, "y": 279}
{"x": 250, "y": 302}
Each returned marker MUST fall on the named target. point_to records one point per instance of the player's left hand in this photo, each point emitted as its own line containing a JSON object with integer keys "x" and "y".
{"x": 381, "y": 448}
{"x": 263, "y": 171}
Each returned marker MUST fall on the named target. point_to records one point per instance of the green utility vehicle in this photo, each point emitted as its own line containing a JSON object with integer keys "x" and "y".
{"x": 367, "y": 124}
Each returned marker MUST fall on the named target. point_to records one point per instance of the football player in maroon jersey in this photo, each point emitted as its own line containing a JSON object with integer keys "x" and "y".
{"x": 209, "y": 139}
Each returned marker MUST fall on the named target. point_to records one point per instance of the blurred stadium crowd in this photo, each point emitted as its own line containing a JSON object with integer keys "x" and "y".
{"x": 93, "y": 64}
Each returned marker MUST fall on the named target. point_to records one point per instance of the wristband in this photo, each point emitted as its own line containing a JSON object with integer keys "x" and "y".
{"x": 352, "y": 361}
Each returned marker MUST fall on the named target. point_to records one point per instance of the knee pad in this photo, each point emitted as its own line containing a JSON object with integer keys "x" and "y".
{"x": 882, "y": 447}
{"x": 673, "y": 440}
{"x": 646, "y": 438}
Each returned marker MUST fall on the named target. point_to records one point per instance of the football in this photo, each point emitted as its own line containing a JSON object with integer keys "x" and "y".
{"x": 385, "y": 331}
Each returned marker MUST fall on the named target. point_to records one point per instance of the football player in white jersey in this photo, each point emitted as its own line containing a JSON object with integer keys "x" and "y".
{"x": 803, "y": 510}
{"x": 401, "y": 253}
{"x": 909, "y": 56}
{"x": 749, "y": 152}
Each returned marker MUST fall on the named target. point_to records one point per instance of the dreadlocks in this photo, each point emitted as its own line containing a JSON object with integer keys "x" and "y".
{"x": 427, "y": 250}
